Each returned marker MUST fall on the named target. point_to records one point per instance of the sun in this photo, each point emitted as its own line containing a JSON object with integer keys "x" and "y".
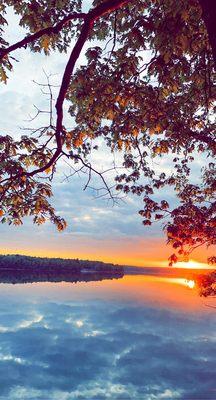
{"x": 192, "y": 264}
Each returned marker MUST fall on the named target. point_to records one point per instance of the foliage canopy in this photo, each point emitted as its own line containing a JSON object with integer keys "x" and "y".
{"x": 147, "y": 90}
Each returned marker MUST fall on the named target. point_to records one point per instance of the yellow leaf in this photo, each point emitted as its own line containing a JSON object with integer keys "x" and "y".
{"x": 165, "y": 92}
{"x": 175, "y": 88}
{"x": 27, "y": 162}
{"x": 3, "y": 76}
{"x": 158, "y": 128}
{"x": 123, "y": 102}
{"x": 110, "y": 114}
{"x": 120, "y": 143}
{"x": 161, "y": 149}
{"x": 127, "y": 145}
{"x": 45, "y": 42}
{"x": 135, "y": 131}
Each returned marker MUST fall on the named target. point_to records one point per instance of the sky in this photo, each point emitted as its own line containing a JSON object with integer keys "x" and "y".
{"x": 96, "y": 229}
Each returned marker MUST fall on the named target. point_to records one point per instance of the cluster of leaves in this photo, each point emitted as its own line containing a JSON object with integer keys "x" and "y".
{"x": 5, "y": 64}
{"x": 162, "y": 108}
{"x": 207, "y": 284}
{"x": 21, "y": 194}
{"x": 36, "y": 15}
{"x": 147, "y": 89}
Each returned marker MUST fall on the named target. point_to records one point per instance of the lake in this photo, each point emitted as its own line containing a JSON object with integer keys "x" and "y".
{"x": 139, "y": 337}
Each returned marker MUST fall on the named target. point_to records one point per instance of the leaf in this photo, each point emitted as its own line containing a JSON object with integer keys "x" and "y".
{"x": 135, "y": 131}
{"x": 158, "y": 128}
{"x": 164, "y": 205}
{"x": 165, "y": 92}
{"x": 48, "y": 170}
{"x": 110, "y": 114}
{"x": 158, "y": 216}
{"x": 45, "y": 43}
{"x": 146, "y": 222}
{"x": 3, "y": 76}
{"x": 160, "y": 149}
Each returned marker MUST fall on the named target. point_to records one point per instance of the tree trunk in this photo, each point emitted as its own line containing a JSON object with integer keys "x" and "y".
{"x": 209, "y": 17}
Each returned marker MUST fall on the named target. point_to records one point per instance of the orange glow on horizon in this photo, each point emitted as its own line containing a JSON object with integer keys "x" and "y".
{"x": 121, "y": 260}
{"x": 192, "y": 264}
{"x": 118, "y": 250}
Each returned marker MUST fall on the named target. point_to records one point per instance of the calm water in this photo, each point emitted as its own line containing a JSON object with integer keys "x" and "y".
{"x": 132, "y": 338}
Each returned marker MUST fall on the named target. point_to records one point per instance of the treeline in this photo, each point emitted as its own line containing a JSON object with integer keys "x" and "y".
{"x": 19, "y": 262}
{"x": 25, "y": 269}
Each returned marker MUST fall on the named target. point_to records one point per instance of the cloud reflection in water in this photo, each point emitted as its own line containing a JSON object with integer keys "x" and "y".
{"x": 104, "y": 349}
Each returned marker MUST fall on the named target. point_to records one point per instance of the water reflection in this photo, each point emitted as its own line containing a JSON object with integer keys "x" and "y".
{"x": 124, "y": 339}
{"x": 34, "y": 276}
{"x": 190, "y": 283}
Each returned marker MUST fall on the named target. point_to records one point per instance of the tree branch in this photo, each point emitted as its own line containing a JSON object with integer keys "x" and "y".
{"x": 89, "y": 19}
{"x": 106, "y": 7}
{"x": 93, "y": 15}
{"x": 209, "y": 16}
{"x": 37, "y": 35}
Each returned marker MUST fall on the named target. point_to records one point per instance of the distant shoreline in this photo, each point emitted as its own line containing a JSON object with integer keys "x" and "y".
{"x": 26, "y": 269}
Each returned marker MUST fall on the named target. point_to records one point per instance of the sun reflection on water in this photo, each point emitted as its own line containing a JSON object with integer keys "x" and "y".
{"x": 190, "y": 283}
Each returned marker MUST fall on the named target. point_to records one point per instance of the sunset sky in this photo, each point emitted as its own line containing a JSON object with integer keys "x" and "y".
{"x": 136, "y": 116}
{"x": 96, "y": 229}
